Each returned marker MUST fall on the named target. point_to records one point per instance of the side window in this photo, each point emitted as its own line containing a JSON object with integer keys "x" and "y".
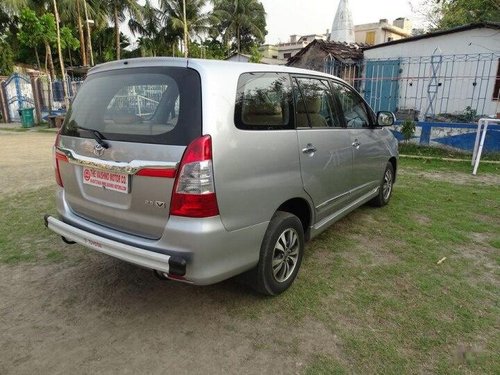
{"x": 353, "y": 107}
{"x": 263, "y": 102}
{"x": 314, "y": 104}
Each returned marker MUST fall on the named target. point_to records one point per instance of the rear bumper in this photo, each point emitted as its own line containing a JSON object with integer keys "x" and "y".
{"x": 202, "y": 248}
{"x": 172, "y": 265}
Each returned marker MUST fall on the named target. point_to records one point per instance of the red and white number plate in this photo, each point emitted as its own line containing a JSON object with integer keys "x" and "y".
{"x": 108, "y": 180}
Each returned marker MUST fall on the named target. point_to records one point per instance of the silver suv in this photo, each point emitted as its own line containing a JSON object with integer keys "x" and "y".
{"x": 203, "y": 170}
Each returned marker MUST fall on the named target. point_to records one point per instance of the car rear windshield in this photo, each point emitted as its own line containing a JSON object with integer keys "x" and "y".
{"x": 146, "y": 105}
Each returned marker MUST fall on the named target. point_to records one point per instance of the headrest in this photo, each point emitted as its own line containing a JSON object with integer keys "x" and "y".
{"x": 255, "y": 108}
{"x": 313, "y": 105}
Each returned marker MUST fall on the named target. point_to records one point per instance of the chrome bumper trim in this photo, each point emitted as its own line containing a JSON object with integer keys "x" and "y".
{"x": 131, "y": 254}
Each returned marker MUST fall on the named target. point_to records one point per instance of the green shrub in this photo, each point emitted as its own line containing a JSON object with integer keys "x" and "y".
{"x": 408, "y": 129}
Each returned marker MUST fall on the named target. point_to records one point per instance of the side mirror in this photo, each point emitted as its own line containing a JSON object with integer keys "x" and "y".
{"x": 385, "y": 118}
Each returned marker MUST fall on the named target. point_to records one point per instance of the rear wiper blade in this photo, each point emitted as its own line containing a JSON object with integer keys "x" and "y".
{"x": 97, "y": 136}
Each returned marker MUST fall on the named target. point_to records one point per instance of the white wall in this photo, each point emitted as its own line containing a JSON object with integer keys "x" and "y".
{"x": 456, "y": 74}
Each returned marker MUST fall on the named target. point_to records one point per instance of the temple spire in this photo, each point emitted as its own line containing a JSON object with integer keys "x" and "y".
{"x": 343, "y": 28}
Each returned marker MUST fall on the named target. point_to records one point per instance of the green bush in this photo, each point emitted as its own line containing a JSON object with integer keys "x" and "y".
{"x": 6, "y": 59}
{"x": 408, "y": 129}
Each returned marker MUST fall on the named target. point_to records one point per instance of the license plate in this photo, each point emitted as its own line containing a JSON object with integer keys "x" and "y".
{"x": 106, "y": 180}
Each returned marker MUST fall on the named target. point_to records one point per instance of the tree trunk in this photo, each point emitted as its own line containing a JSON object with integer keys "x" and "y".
{"x": 48, "y": 53}
{"x": 90, "y": 54}
{"x": 238, "y": 41}
{"x": 37, "y": 58}
{"x": 117, "y": 33}
{"x": 49, "y": 94}
{"x": 80, "y": 34}
{"x": 50, "y": 77}
{"x": 59, "y": 52}
{"x": 186, "y": 48}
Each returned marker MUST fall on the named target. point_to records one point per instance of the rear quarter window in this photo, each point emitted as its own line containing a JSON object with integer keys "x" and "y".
{"x": 264, "y": 102}
{"x": 147, "y": 105}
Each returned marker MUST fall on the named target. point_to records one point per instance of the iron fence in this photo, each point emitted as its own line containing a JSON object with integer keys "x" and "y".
{"x": 428, "y": 88}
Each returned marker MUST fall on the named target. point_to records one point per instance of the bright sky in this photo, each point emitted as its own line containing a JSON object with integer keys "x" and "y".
{"x": 302, "y": 17}
{"x": 287, "y": 17}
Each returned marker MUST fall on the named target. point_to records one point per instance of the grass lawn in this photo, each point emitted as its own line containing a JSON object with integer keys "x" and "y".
{"x": 374, "y": 280}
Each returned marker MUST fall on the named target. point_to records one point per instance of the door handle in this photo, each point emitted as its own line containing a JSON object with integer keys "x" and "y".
{"x": 309, "y": 149}
{"x": 356, "y": 144}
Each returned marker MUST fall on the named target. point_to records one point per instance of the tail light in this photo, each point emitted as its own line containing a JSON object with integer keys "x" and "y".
{"x": 194, "y": 189}
{"x": 58, "y": 158}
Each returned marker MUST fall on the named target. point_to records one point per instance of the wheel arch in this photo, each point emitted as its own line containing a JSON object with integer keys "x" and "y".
{"x": 300, "y": 208}
{"x": 394, "y": 163}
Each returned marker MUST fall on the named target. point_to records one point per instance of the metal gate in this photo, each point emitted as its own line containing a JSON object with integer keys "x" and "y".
{"x": 19, "y": 94}
{"x": 382, "y": 84}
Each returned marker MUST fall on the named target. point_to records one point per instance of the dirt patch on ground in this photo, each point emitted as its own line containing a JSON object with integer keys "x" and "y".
{"x": 480, "y": 257}
{"x": 421, "y": 219}
{"x": 455, "y": 177}
{"x": 100, "y": 315}
{"x": 25, "y": 161}
{"x": 372, "y": 251}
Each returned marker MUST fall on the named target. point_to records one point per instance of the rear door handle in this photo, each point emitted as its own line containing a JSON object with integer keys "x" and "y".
{"x": 356, "y": 143}
{"x": 309, "y": 149}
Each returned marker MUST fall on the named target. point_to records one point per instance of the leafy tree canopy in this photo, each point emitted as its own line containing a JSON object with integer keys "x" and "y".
{"x": 242, "y": 21}
{"x": 35, "y": 30}
{"x": 460, "y": 12}
{"x": 68, "y": 41}
{"x": 6, "y": 59}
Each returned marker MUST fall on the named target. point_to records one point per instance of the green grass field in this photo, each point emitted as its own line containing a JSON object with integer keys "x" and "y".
{"x": 374, "y": 279}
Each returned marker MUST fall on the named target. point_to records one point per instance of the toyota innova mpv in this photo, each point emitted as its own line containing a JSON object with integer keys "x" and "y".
{"x": 203, "y": 170}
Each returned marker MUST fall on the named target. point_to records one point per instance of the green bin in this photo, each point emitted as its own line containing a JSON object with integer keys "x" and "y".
{"x": 27, "y": 119}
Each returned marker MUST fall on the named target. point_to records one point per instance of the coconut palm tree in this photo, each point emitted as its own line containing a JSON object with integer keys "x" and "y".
{"x": 117, "y": 11}
{"x": 186, "y": 18}
{"x": 237, "y": 16}
{"x": 77, "y": 13}
{"x": 72, "y": 11}
{"x": 151, "y": 30}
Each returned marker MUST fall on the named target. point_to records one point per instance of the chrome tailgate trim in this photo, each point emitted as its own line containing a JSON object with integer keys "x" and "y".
{"x": 130, "y": 168}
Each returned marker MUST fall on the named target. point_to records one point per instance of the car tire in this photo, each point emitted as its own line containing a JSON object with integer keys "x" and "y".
{"x": 386, "y": 186}
{"x": 280, "y": 255}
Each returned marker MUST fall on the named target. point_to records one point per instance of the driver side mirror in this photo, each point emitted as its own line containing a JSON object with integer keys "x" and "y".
{"x": 385, "y": 118}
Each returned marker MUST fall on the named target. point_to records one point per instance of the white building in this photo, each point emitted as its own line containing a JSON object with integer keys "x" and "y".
{"x": 442, "y": 72}
{"x": 383, "y": 31}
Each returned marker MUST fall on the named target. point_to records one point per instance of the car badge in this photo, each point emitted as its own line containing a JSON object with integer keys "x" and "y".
{"x": 98, "y": 150}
